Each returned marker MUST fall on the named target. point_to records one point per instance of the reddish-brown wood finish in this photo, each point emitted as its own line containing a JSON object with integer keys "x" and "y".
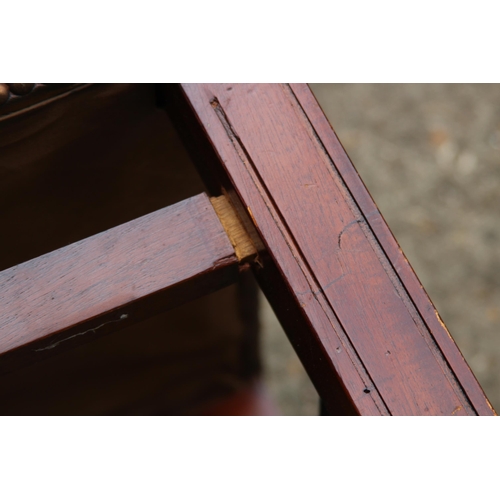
{"x": 391, "y": 247}
{"x": 112, "y": 279}
{"x": 353, "y": 308}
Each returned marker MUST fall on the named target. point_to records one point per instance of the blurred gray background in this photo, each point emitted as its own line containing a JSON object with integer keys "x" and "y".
{"x": 430, "y": 156}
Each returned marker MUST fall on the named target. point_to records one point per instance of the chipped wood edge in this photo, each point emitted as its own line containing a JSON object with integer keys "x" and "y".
{"x": 243, "y": 245}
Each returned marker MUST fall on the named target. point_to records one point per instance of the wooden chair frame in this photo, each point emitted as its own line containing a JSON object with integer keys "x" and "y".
{"x": 287, "y": 203}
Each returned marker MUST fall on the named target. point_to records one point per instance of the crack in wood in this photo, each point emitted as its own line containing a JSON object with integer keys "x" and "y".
{"x": 55, "y": 344}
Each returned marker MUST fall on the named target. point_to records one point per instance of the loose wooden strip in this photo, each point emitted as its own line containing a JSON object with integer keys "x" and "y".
{"x": 341, "y": 297}
{"x": 242, "y": 243}
{"x": 112, "y": 280}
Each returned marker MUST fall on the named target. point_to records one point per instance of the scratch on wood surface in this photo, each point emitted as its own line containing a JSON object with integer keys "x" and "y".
{"x": 223, "y": 261}
{"x": 345, "y": 228}
{"x": 322, "y": 289}
{"x": 443, "y": 325}
{"x": 55, "y": 344}
{"x": 328, "y": 285}
{"x": 251, "y": 216}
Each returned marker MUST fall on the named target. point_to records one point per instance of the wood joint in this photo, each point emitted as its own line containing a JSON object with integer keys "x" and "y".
{"x": 242, "y": 243}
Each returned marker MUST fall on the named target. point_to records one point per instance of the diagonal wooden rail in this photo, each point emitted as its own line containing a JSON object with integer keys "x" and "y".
{"x": 367, "y": 333}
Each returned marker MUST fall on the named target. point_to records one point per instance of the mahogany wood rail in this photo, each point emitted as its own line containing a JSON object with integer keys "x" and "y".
{"x": 359, "y": 319}
{"x": 301, "y": 218}
{"x": 116, "y": 278}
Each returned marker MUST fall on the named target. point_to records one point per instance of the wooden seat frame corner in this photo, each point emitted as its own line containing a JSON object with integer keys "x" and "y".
{"x": 285, "y": 202}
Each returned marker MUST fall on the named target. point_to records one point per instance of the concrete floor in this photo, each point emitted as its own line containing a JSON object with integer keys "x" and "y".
{"x": 430, "y": 156}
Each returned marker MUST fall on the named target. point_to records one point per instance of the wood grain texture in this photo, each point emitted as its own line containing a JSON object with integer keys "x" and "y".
{"x": 243, "y": 245}
{"x": 391, "y": 247}
{"x": 350, "y": 303}
{"x": 112, "y": 279}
